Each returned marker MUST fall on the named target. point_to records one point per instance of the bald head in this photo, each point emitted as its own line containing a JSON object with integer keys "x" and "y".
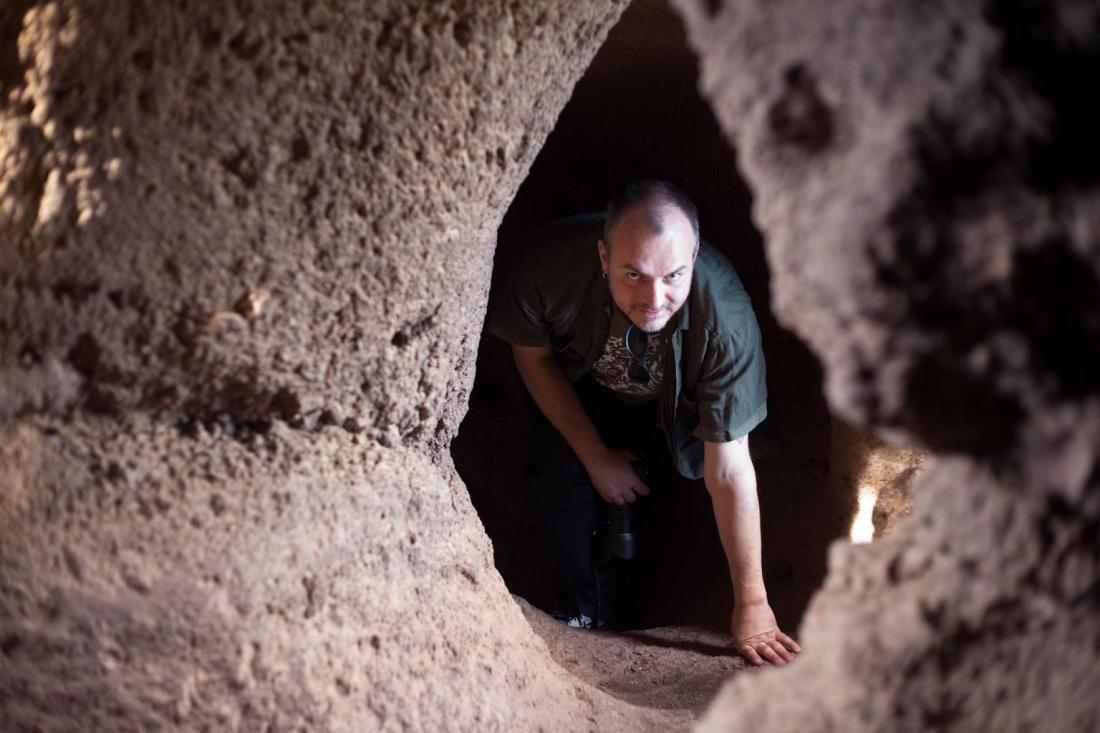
{"x": 656, "y": 206}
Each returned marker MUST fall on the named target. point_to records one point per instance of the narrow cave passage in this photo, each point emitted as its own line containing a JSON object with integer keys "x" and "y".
{"x": 636, "y": 114}
{"x": 247, "y": 255}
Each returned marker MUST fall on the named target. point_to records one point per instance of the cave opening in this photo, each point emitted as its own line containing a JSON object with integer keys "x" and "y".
{"x": 636, "y": 113}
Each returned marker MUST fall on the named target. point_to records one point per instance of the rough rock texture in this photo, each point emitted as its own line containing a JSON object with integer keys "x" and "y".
{"x": 246, "y": 254}
{"x": 227, "y": 211}
{"x": 293, "y": 580}
{"x": 926, "y": 178}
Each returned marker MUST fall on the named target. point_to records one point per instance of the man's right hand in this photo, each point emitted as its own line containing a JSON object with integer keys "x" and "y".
{"x": 609, "y": 469}
{"x": 614, "y": 478}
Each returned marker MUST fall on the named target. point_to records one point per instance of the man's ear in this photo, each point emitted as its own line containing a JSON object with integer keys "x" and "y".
{"x": 605, "y": 262}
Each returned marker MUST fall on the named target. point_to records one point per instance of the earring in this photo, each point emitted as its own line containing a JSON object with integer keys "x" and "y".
{"x": 604, "y": 274}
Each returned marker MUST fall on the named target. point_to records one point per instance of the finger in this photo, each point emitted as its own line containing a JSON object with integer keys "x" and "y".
{"x": 641, "y": 488}
{"x": 750, "y": 654}
{"x": 619, "y": 500}
{"x": 629, "y": 495}
{"x": 787, "y": 642}
{"x": 778, "y": 648}
{"x": 768, "y": 653}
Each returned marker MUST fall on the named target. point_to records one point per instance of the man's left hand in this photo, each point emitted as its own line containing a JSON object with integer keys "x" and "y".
{"x": 757, "y": 635}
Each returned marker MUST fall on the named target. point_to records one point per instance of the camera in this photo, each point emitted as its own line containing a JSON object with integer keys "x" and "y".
{"x": 617, "y": 523}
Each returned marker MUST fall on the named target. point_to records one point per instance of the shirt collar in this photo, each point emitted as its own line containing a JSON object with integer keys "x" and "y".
{"x": 682, "y": 317}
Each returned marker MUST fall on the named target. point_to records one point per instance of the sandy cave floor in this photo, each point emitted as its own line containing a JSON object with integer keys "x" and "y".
{"x": 676, "y": 669}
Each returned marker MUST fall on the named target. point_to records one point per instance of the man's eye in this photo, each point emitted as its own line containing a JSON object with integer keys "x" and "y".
{"x": 674, "y": 276}
{"x": 632, "y": 276}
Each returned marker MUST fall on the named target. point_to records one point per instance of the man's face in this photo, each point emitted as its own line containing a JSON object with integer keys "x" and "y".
{"x": 649, "y": 273}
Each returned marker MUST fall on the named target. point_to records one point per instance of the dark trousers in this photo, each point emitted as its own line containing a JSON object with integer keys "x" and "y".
{"x": 569, "y": 509}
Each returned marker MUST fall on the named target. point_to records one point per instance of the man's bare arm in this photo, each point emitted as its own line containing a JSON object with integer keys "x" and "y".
{"x": 609, "y": 470}
{"x": 731, "y": 480}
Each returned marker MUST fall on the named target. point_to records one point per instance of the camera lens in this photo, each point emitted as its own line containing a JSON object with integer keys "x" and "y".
{"x": 619, "y": 538}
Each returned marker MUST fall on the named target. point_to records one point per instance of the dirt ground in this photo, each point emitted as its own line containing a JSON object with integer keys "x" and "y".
{"x": 677, "y": 669}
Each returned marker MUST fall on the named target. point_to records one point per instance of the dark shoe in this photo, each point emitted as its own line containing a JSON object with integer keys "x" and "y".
{"x": 575, "y": 620}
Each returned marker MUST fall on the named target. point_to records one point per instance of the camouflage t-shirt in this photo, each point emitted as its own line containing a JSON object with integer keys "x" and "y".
{"x": 612, "y": 369}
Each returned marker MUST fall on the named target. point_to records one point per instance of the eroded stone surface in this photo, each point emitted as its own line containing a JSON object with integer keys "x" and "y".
{"x": 294, "y": 579}
{"x": 977, "y": 613}
{"x": 218, "y": 210}
{"x": 927, "y": 192}
{"x": 246, "y": 255}
{"x": 937, "y": 246}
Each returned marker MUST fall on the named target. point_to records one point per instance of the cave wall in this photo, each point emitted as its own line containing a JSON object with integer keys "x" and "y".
{"x": 926, "y": 179}
{"x": 246, "y": 255}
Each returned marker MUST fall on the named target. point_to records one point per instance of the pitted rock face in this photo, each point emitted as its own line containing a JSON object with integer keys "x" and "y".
{"x": 222, "y": 211}
{"x": 919, "y": 176}
{"x": 938, "y": 251}
{"x": 246, "y": 262}
{"x": 977, "y": 613}
{"x": 247, "y": 253}
{"x": 298, "y": 579}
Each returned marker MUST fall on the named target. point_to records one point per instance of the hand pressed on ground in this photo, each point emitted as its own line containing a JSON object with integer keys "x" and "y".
{"x": 757, "y": 635}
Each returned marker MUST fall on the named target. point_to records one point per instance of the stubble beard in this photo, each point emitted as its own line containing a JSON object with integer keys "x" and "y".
{"x": 651, "y": 324}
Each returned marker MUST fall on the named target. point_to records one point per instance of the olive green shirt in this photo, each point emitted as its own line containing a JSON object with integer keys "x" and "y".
{"x": 552, "y": 293}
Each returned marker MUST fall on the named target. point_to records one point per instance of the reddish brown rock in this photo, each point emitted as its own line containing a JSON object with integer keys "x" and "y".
{"x": 246, "y": 256}
{"x": 927, "y": 188}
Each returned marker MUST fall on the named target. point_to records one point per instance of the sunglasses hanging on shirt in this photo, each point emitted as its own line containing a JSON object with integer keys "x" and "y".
{"x": 637, "y": 342}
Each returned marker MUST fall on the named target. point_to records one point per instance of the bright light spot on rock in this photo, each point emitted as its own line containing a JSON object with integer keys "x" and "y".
{"x": 863, "y": 528}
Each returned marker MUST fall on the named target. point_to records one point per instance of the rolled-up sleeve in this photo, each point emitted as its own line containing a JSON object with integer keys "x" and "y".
{"x": 732, "y": 393}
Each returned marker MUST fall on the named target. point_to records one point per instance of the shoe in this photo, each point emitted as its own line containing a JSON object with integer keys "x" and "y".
{"x": 573, "y": 620}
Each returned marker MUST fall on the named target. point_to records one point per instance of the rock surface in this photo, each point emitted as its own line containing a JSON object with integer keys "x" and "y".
{"x": 294, "y": 579}
{"x": 246, "y": 257}
{"x": 927, "y": 188}
{"x": 224, "y": 212}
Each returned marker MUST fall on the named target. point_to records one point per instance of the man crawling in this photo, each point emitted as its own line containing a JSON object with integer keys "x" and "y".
{"x": 633, "y": 336}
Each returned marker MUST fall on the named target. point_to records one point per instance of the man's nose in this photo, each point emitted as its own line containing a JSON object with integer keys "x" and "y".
{"x": 655, "y": 294}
